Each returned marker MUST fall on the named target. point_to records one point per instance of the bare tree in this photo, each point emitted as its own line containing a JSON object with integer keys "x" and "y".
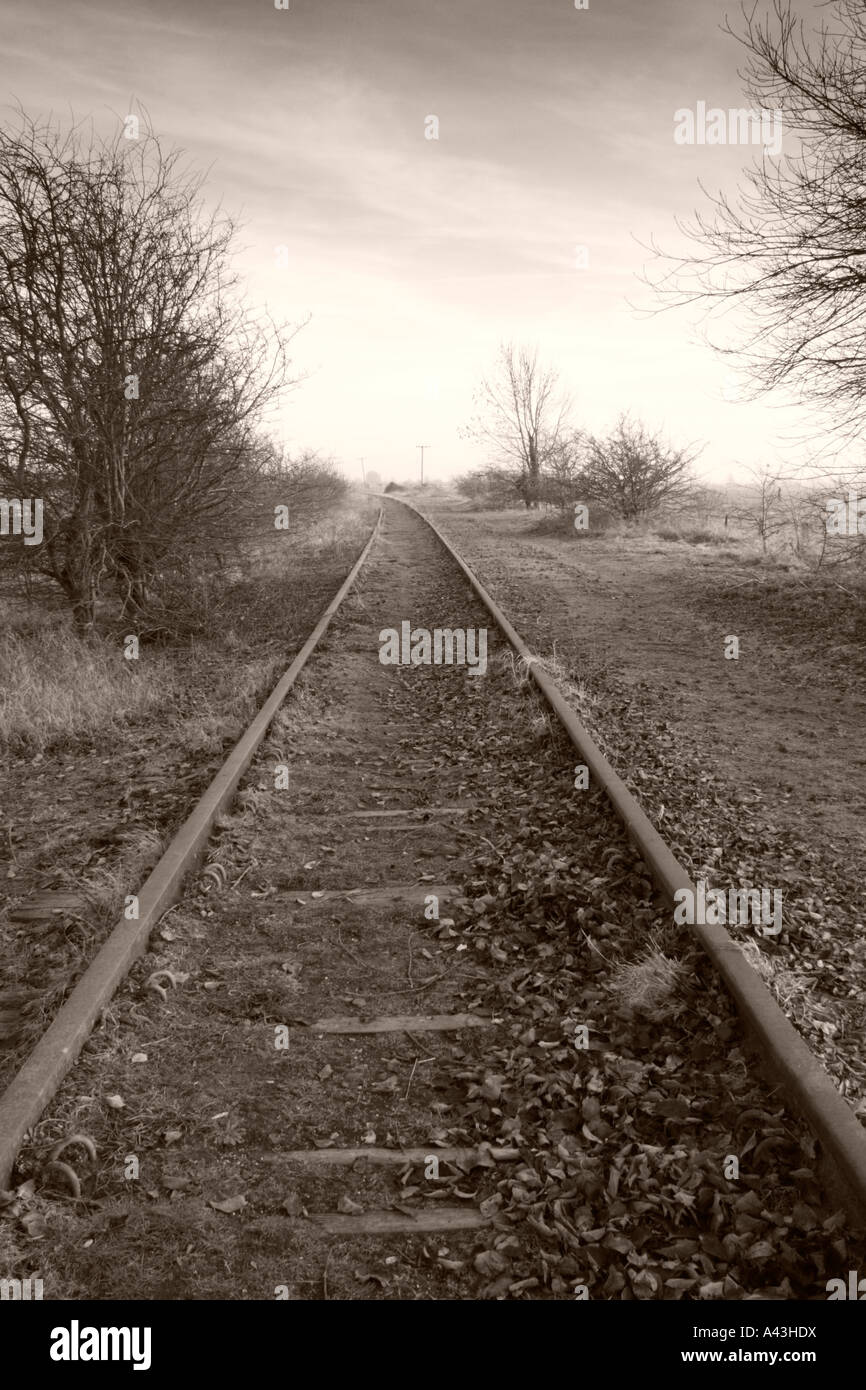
{"x": 790, "y": 245}
{"x": 842, "y": 540}
{"x": 306, "y": 483}
{"x": 764, "y": 512}
{"x": 521, "y": 413}
{"x": 132, "y": 379}
{"x": 564, "y": 477}
{"x": 633, "y": 472}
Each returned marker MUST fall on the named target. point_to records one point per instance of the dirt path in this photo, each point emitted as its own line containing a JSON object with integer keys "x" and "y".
{"x": 786, "y": 716}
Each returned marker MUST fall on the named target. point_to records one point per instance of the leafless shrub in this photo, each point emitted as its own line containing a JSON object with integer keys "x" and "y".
{"x": 132, "y": 377}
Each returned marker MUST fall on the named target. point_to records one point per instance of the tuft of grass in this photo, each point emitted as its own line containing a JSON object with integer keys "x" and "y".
{"x": 575, "y": 688}
{"x": 106, "y": 887}
{"x": 517, "y": 666}
{"x": 649, "y": 984}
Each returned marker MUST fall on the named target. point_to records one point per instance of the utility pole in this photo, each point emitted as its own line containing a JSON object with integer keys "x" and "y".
{"x": 363, "y": 473}
{"x": 422, "y": 447}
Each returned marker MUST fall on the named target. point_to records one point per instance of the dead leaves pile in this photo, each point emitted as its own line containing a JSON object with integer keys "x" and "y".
{"x": 627, "y": 1187}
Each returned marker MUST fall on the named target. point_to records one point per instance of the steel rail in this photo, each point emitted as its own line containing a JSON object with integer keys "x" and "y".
{"x": 807, "y": 1084}
{"x": 34, "y": 1085}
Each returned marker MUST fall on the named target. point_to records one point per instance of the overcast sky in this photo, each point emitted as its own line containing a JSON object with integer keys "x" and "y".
{"x": 415, "y": 256}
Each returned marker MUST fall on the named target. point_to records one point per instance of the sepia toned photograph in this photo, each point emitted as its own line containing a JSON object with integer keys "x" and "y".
{"x": 433, "y": 670}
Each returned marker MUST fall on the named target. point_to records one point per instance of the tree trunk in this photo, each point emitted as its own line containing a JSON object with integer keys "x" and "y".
{"x": 533, "y": 480}
{"x": 75, "y": 567}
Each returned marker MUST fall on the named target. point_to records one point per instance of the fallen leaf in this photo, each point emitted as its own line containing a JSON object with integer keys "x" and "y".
{"x": 492, "y": 1088}
{"x": 34, "y": 1224}
{"x": 490, "y": 1263}
{"x": 503, "y": 1284}
{"x": 761, "y": 1250}
{"x": 804, "y": 1217}
{"x": 674, "y": 1109}
{"x": 229, "y": 1204}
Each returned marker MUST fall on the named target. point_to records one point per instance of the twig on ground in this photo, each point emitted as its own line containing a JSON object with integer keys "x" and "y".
{"x": 422, "y": 1047}
{"x": 345, "y": 949}
{"x": 411, "y": 1075}
{"x": 417, "y": 989}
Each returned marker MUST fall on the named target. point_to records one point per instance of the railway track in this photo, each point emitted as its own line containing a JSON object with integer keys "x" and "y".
{"x": 401, "y": 1036}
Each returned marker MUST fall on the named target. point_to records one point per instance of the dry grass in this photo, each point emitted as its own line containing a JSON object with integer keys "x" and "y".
{"x": 302, "y": 714}
{"x": 252, "y": 801}
{"x": 233, "y": 695}
{"x": 342, "y": 533}
{"x": 649, "y": 984}
{"x": 106, "y": 887}
{"x": 793, "y": 989}
{"x": 55, "y": 685}
{"x": 574, "y": 688}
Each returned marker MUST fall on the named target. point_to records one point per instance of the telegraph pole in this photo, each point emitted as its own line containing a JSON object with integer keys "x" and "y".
{"x": 363, "y": 473}
{"x": 422, "y": 447}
